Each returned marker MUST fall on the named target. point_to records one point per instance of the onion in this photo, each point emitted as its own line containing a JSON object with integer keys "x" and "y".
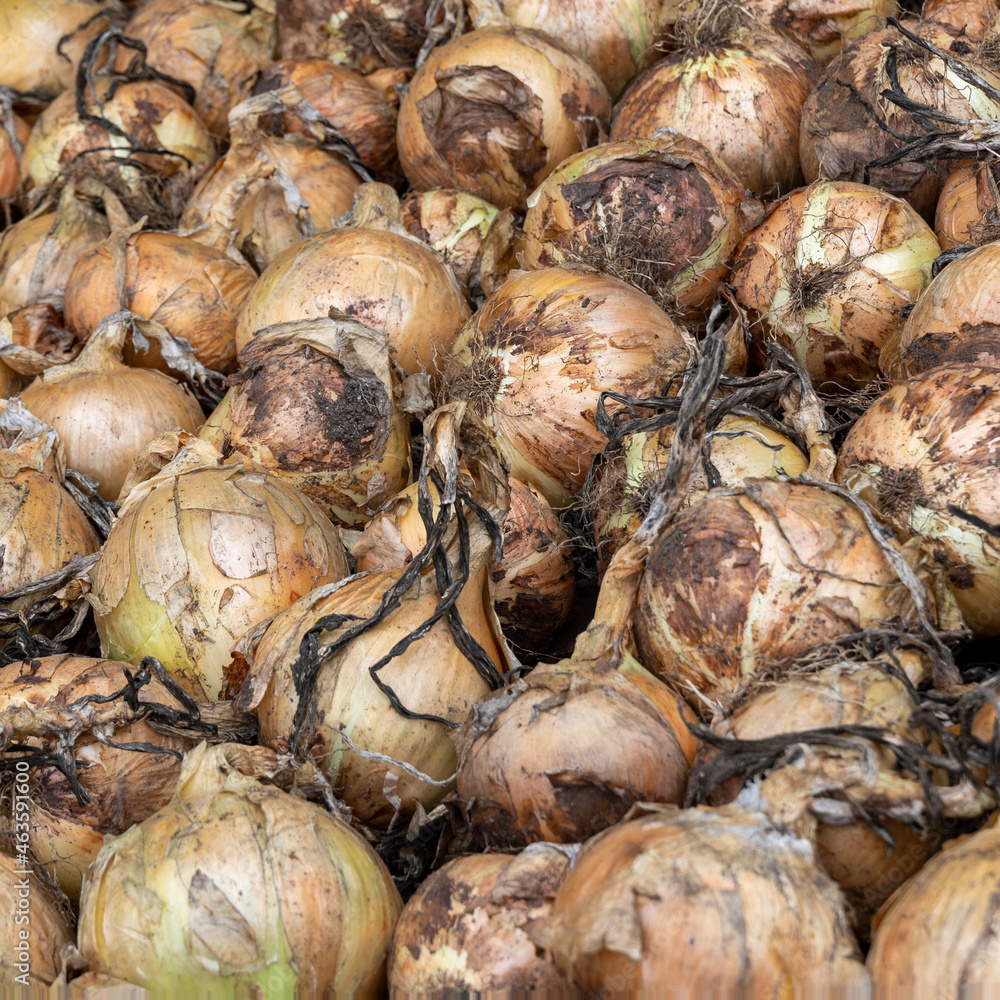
{"x": 32, "y": 957}
{"x": 216, "y": 46}
{"x": 381, "y": 277}
{"x": 838, "y": 139}
{"x": 31, "y": 36}
{"x": 32, "y": 340}
{"x": 827, "y": 275}
{"x": 270, "y": 192}
{"x": 968, "y": 208}
{"x": 223, "y": 546}
{"x": 106, "y": 412}
{"x": 492, "y": 112}
{"x": 314, "y": 403}
{"x": 14, "y": 132}
{"x": 737, "y": 88}
{"x": 618, "y": 498}
{"x": 236, "y": 887}
{"x": 750, "y": 576}
{"x": 465, "y": 927}
{"x": 955, "y": 320}
{"x": 537, "y": 355}
{"x": 973, "y": 18}
{"x": 192, "y": 290}
{"x": 701, "y": 902}
{"x": 925, "y": 456}
{"x": 663, "y": 214}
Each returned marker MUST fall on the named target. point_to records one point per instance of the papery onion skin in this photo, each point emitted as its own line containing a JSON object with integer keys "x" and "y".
{"x": 955, "y": 320}
{"x": 463, "y": 929}
{"x": 664, "y": 214}
{"x": 386, "y": 281}
{"x": 536, "y": 102}
{"x": 747, "y": 577}
{"x": 972, "y": 17}
{"x": 828, "y": 273}
{"x": 237, "y": 886}
{"x": 196, "y": 292}
{"x": 10, "y": 167}
{"x": 949, "y": 414}
{"x": 968, "y": 208}
{"x": 741, "y": 98}
{"x": 705, "y": 902}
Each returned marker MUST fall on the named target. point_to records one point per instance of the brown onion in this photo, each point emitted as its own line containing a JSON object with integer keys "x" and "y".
{"x": 973, "y": 18}
{"x": 465, "y": 926}
{"x": 968, "y": 208}
{"x": 492, "y": 112}
{"x": 215, "y": 46}
{"x": 738, "y": 90}
{"x": 828, "y": 273}
{"x": 663, "y": 214}
{"x": 925, "y": 456}
{"x": 192, "y": 290}
{"x": 14, "y": 132}
{"x": 106, "y": 412}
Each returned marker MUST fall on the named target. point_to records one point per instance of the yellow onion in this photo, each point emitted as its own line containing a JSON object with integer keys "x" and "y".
{"x": 31, "y": 31}
{"x": 464, "y": 928}
{"x": 216, "y": 46}
{"x": 828, "y": 273}
{"x": 535, "y": 358}
{"x": 955, "y": 320}
{"x": 62, "y": 145}
{"x": 125, "y": 786}
{"x": 104, "y": 411}
{"x": 13, "y": 135}
{"x": 926, "y": 456}
{"x": 664, "y": 214}
{"x": 382, "y": 277}
{"x": 954, "y": 954}
{"x": 314, "y": 403}
{"x": 32, "y": 927}
{"x": 738, "y": 90}
{"x": 749, "y": 576}
{"x": 700, "y": 902}
{"x": 194, "y": 291}
{"x": 32, "y": 340}
{"x": 968, "y": 208}
{"x": 838, "y": 139}
{"x": 236, "y": 887}
{"x": 741, "y": 447}
{"x": 823, "y": 27}
{"x": 492, "y": 112}
{"x": 269, "y": 192}
{"x": 199, "y": 554}
{"x": 973, "y": 18}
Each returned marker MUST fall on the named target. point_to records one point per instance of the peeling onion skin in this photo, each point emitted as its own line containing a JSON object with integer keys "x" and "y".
{"x": 742, "y": 99}
{"x": 724, "y": 595}
{"x": 828, "y": 273}
{"x": 464, "y": 927}
{"x": 492, "y": 112}
{"x": 701, "y": 902}
{"x": 956, "y": 320}
{"x": 926, "y": 457}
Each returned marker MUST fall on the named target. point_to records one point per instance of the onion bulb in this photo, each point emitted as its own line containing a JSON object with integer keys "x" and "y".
{"x": 973, "y": 18}
{"x": 237, "y": 887}
{"x": 222, "y": 546}
{"x": 535, "y": 358}
{"x": 955, "y": 320}
{"x": 736, "y": 88}
{"x": 664, "y": 214}
{"x": 106, "y": 412}
{"x": 215, "y": 46}
{"x": 33, "y": 960}
{"x": 492, "y": 112}
{"x": 464, "y": 928}
{"x": 374, "y": 272}
{"x": 828, "y": 273}
{"x": 314, "y": 403}
{"x": 192, "y": 290}
{"x": 741, "y": 448}
{"x": 14, "y": 132}
{"x": 926, "y": 456}
{"x": 701, "y": 902}
{"x": 749, "y": 576}
{"x": 968, "y": 208}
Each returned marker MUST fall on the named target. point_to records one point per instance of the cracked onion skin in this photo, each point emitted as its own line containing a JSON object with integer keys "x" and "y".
{"x": 493, "y": 111}
{"x": 926, "y": 457}
{"x": 749, "y": 576}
